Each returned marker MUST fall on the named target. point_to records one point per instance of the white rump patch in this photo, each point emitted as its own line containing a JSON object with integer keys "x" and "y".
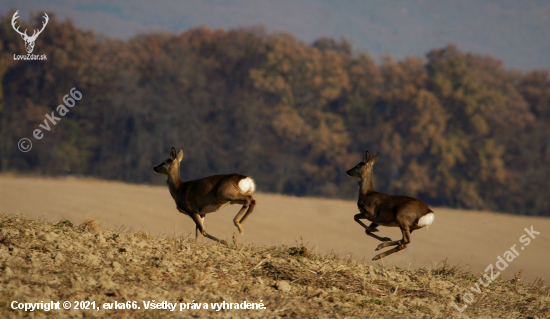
{"x": 426, "y": 220}
{"x": 247, "y": 185}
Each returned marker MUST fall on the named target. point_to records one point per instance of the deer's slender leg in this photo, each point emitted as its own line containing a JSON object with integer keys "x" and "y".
{"x": 404, "y": 241}
{"x": 389, "y": 252}
{"x": 384, "y": 239}
{"x": 249, "y": 204}
{"x": 197, "y": 230}
{"x": 401, "y": 244}
{"x": 369, "y": 229}
{"x": 236, "y": 219}
{"x": 249, "y": 211}
{"x": 387, "y": 244}
{"x": 198, "y": 222}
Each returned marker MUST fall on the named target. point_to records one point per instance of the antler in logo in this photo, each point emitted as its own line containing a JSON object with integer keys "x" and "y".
{"x": 29, "y": 41}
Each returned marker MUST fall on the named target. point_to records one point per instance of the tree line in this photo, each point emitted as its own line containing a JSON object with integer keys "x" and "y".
{"x": 452, "y": 128}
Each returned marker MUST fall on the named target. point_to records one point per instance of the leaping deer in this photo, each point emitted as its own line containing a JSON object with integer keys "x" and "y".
{"x": 404, "y": 212}
{"x": 29, "y": 41}
{"x": 207, "y": 195}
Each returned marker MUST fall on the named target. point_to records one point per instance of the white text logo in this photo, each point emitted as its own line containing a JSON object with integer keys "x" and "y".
{"x": 29, "y": 41}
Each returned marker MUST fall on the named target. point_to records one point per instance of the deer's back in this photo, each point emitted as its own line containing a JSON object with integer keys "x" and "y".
{"x": 210, "y": 184}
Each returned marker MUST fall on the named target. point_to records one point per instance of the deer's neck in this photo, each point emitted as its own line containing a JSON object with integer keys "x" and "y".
{"x": 366, "y": 185}
{"x": 174, "y": 183}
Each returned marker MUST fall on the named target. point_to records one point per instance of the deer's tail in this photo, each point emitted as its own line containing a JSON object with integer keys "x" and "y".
{"x": 247, "y": 185}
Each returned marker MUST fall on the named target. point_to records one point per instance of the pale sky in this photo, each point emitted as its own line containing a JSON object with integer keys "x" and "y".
{"x": 517, "y": 32}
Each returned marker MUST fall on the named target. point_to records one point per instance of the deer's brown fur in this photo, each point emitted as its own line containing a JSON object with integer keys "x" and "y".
{"x": 381, "y": 209}
{"x": 207, "y": 195}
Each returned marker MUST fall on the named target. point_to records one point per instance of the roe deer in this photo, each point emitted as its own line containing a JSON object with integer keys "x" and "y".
{"x": 404, "y": 212}
{"x": 207, "y": 195}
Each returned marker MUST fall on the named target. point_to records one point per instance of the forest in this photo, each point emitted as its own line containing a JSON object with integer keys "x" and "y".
{"x": 453, "y": 128}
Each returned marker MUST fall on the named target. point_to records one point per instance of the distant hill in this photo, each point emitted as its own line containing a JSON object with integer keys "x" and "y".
{"x": 515, "y": 31}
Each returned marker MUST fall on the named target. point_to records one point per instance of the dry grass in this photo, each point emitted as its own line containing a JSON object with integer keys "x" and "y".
{"x": 41, "y": 261}
{"x": 89, "y": 225}
{"x": 472, "y": 239}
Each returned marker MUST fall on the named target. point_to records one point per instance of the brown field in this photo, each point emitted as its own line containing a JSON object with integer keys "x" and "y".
{"x": 143, "y": 252}
{"x": 470, "y": 239}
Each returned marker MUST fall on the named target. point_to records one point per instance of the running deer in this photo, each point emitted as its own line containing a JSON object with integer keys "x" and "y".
{"x": 207, "y": 195}
{"x": 404, "y": 212}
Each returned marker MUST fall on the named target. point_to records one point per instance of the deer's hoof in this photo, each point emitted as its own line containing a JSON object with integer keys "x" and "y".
{"x": 379, "y": 247}
{"x": 240, "y": 228}
{"x": 223, "y": 242}
{"x": 376, "y": 257}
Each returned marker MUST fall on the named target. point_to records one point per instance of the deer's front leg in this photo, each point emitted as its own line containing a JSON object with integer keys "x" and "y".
{"x": 199, "y": 231}
{"x": 198, "y": 219}
{"x": 369, "y": 229}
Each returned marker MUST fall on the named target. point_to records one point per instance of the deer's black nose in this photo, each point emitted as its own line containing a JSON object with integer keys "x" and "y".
{"x": 348, "y": 172}
{"x": 155, "y": 169}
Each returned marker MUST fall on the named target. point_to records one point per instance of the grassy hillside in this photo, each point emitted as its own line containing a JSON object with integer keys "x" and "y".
{"x": 472, "y": 239}
{"x": 42, "y": 261}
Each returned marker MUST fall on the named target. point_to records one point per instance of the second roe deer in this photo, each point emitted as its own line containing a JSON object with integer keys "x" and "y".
{"x": 207, "y": 195}
{"x": 404, "y": 212}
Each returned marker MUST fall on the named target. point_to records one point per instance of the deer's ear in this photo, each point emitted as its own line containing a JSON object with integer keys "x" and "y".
{"x": 179, "y": 156}
{"x": 374, "y": 158}
{"x": 173, "y": 154}
{"x": 366, "y": 157}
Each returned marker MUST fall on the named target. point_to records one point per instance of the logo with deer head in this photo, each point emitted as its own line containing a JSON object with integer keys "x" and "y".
{"x": 29, "y": 41}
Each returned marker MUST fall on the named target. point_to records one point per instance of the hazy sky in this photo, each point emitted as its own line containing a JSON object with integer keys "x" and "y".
{"x": 517, "y": 32}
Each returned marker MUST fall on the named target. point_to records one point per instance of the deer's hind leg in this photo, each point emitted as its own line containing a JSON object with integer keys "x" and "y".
{"x": 248, "y": 206}
{"x": 401, "y": 244}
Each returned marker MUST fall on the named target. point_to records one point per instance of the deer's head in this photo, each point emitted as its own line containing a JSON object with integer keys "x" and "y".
{"x": 171, "y": 165}
{"x": 29, "y": 41}
{"x": 363, "y": 168}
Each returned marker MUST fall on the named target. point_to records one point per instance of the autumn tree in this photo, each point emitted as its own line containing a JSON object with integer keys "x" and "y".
{"x": 453, "y": 128}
